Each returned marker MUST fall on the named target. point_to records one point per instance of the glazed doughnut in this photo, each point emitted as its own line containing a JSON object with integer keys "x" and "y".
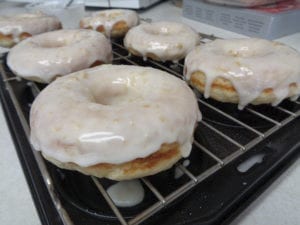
{"x": 13, "y": 29}
{"x": 244, "y": 71}
{"x": 58, "y": 53}
{"x": 161, "y": 41}
{"x": 137, "y": 121}
{"x": 112, "y": 23}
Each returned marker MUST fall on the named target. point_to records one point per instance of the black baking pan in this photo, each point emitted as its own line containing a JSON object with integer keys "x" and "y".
{"x": 216, "y": 200}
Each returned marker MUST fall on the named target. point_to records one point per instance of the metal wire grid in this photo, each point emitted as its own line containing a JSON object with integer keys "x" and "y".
{"x": 121, "y": 55}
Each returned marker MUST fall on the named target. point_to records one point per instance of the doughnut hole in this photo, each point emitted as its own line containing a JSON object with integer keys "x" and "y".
{"x": 238, "y": 49}
{"x": 161, "y": 30}
{"x": 53, "y": 44}
{"x": 111, "y": 15}
{"x": 53, "y": 41}
{"x": 116, "y": 94}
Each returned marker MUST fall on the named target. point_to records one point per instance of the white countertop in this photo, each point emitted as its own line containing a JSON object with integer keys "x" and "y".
{"x": 278, "y": 205}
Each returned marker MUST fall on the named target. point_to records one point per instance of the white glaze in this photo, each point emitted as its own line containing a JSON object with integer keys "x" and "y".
{"x": 167, "y": 40}
{"x": 34, "y": 23}
{"x": 252, "y": 65}
{"x": 108, "y": 18}
{"x": 113, "y": 114}
{"x": 126, "y": 193}
{"x": 178, "y": 172}
{"x": 250, "y": 162}
{"x": 58, "y": 53}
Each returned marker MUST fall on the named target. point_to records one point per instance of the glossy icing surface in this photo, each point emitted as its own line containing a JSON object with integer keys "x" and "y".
{"x": 113, "y": 114}
{"x": 34, "y": 23}
{"x": 252, "y": 65}
{"x": 167, "y": 40}
{"x": 108, "y": 18}
{"x": 58, "y": 53}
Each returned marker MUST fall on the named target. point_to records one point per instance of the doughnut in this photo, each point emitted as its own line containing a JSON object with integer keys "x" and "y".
{"x": 115, "y": 121}
{"x": 244, "y": 71}
{"x": 112, "y": 23}
{"x": 58, "y": 53}
{"x": 14, "y": 29}
{"x": 161, "y": 41}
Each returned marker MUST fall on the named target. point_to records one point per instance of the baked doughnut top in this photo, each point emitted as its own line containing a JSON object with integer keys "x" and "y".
{"x": 112, "y": 22}
{"x": 113, "y": 114}
{"x": 58, "y": 53}
{"x": 251, "y": 65}
{"x": 161, "y": 41}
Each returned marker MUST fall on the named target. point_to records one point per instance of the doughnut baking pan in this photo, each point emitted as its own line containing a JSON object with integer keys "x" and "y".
{"x": 236, "y": 155}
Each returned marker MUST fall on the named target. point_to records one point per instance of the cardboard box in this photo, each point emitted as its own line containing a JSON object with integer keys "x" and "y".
{"x": 270, "y": 21}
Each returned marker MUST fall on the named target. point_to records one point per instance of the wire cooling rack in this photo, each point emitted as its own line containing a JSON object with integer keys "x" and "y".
{"x": 224, "y": 134}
